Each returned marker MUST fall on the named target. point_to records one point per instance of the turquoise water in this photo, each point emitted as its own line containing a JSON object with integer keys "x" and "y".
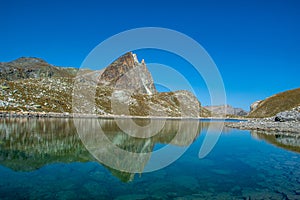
{"x": 45, "y": 159}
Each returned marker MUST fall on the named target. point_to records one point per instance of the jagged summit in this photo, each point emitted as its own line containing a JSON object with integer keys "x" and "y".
{"x": 128, "y": 73}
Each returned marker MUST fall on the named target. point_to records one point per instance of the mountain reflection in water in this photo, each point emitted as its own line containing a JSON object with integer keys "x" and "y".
{"x": 289, "y": 142}
{"x": 52, "y": 159}
{"x": 29, "y": 144}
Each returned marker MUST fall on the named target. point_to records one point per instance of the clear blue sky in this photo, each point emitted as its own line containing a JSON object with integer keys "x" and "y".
{"x": 255, "y": 44}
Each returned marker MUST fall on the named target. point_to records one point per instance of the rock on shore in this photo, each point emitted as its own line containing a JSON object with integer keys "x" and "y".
{"x": 287, "y": 116}
{"x": 286, "y": 122}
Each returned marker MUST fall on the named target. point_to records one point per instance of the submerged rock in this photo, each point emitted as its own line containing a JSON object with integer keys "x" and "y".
{"x": 132, "y": 196}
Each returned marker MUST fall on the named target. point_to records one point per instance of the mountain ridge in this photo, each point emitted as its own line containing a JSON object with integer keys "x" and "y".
{"x": 32, "y": 67}
{"x": 33, "y": 85}
{"x": 226, "y": 110}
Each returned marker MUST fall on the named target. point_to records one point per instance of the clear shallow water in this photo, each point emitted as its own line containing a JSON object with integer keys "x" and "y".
{"x": 45, "y": 159}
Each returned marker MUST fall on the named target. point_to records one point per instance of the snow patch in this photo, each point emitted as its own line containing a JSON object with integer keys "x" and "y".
{"x": 135, "y": 58}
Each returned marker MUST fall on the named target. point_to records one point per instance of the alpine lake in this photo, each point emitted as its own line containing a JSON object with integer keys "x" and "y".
{"x": 47, "y": 158}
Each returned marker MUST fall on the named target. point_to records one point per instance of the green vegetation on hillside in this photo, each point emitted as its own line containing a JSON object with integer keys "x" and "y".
{"x": 55, "y": 95}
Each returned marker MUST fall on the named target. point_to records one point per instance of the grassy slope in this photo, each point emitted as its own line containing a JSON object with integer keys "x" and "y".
{"x": 55, "y": 95}
{"x": 277, "y": 103}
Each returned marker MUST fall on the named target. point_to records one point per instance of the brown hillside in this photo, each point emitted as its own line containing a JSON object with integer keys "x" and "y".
{"x": 277, "y": 103}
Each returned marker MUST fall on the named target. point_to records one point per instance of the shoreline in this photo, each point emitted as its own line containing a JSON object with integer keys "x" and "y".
{"x": 267, "y": 125}
{"x": 12, "y": 114}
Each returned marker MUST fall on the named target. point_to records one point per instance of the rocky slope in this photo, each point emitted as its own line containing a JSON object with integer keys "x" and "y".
{"x": 23, "y": 68}
{"x": 226, "y": 110}
{"x": 32, "y": 85}
{"x": 277, "y": 103}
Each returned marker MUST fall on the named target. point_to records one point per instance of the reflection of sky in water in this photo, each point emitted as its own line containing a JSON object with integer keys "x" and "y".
{"x": 36, "y": 162}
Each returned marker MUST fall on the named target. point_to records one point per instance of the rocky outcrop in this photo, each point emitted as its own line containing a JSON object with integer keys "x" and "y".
{"x": 287, "y": 116}
{"x": 254, "y": 105}
{"x": 226, "y": 110}
{"x": 128, "y": 73}
{"x": 29, "y": 67}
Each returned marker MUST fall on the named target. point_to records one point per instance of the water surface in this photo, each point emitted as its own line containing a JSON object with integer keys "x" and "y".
{"x": 46, "y": 159}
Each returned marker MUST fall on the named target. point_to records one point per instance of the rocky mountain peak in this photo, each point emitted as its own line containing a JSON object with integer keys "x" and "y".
{"x": 28, "y": 60}
{"x": 128, "y": 73}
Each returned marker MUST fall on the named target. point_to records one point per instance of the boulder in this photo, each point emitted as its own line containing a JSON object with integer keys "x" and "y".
{"x": 286, "y": 116}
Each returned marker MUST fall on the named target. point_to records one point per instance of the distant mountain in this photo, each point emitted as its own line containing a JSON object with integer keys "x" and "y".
{"x": 33, "y": 85}
{"x": 229, "y": 110}
{"x": 275, "y": 104}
